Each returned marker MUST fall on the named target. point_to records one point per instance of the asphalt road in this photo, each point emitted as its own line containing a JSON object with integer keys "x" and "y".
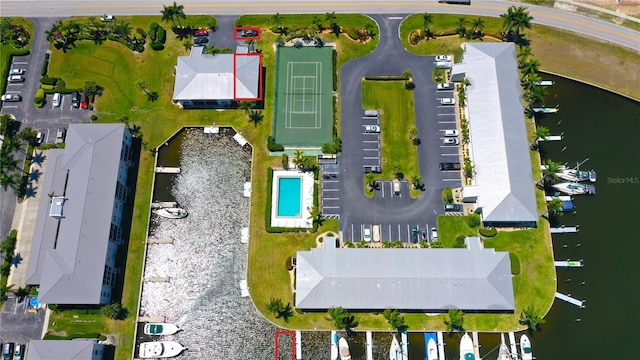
{"x": 542, "y": 15}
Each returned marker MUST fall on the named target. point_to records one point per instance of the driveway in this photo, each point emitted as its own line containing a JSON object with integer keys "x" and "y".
{"x": 395, "y": 214}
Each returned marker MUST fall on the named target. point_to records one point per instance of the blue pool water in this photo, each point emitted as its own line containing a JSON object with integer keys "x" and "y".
{"x": 289, "y": 194}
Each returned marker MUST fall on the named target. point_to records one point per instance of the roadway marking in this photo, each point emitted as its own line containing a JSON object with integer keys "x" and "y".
{"x": 370, "y": 149}
{"x": 330, "y": 181}
{"x": 330, "y": 189}
{"x": 20, "y": 62}
{"x": 450, "y": 179}
{"x": 456, "y": 154}
{"x": 446, "y": 114}
{"x": 370, "y": 141}
{"x": 371, "y": 158}
{"x": 328, "y": 199}
{"x": 446, "y": 122}
{"x": 9, "y": 106}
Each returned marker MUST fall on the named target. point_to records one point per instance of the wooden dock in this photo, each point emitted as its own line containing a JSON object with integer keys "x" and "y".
{"x": 512, "y": 344}
{"x": 560, "y": 197}
{"x": 570, "y": 300}
{"x": 476, "y": 344}
{"x": 369, "y": 346}
{"x": 440, "y": 346}
{"x": 155, "y": 319}
{"x": 568, "y": 263}
{"x": 405, "y": 346}
{"x": 552, "y": 138}
{"x": 160, "y": 241}
{"x": 167, "y": 170}
{"x": 156, "y": 279}
{"x": 565, "y": 230}
{"x": 163, "y": 204}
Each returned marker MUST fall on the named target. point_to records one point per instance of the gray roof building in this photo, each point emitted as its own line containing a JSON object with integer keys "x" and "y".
{"x": 201, "y": 77}
{"x": 77, "y": 231}
{"x": 503, "y": 186}
{"x": 64, "y": 350}
{"x": 425, "y": 280}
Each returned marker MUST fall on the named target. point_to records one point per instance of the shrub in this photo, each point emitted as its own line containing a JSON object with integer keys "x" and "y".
{"x": 490, "y": 232}
{"x": 474, "y": 220}
{"x": 351, "y": 32}
{"x": 285, "y": 161}
{"x": 288, "y": 264}
{"x": 273, "y": 146}
{"x": 45, "y": 68}
{"x": 157, "y": 46}
{"x": 447, "y": 195}
{"x": 94, "y": 117}
{"x": 141, "y": 32}
{"x": 153, "y": 28}
{"x": 46, "y": 56}
{"x": 45, "y": 80}
{"x": 38, "y": 100}
{"x": 162, "y": 35}
{"x": 60, "y": 84}
{"x": 459, "y": 241}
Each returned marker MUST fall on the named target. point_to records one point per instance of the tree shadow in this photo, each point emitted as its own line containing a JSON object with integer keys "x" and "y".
{"x": 38, "y": 158}
{"x": 30, "y": 191}
{"x": 35, "y": 175}
{"x": 16, "y": 259}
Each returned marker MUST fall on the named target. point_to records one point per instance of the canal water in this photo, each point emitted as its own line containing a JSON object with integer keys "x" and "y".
{"x": 207, "y": 260}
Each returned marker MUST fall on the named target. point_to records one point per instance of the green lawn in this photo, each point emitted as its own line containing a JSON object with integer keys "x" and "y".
{"x": 397, "y": 118}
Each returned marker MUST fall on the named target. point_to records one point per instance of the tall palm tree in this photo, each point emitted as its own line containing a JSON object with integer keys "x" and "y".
{"x": 331, "y": 18}
{"x": 478, "y": 26}
{"x": 456, "y": 320}
{"x": 370, "y": 180}
{"x": 315, "y": 214}
{"x": 461, "y": 28}
{"x": 531, "y": 316}
{"x": 554, "y": 207}
{"x": 276, "y": 20}
{"x": 522, "y": 20}
{"x": 529, "y": 67}
{"x": 275, "y": 306}
{"x": 256, "y": 117}
{"x": 317, "y": 21}
{"x": 246, "y": 105}
{"x": 524, "y": 54}
{"x": 508, "y": 20}
{"x": 178, "y": 12}
{"x": 168, "y": 14}
{"x": 427, "y": 20}
{"x": 298, "y": 159}
{"x": 550, "y": 172}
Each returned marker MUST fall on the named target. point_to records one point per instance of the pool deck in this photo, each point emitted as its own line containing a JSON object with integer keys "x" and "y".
{"x": 306, "y": 199}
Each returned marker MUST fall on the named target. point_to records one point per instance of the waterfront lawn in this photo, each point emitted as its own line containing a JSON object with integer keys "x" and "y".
{"x": 397, "y": 118}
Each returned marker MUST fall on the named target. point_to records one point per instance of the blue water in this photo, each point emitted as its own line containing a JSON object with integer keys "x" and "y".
{"x": 289, "y": 194}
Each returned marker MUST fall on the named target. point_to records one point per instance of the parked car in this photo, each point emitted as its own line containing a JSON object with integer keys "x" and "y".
{"x": 200, "y": 40}
{"x": 249, "y": 33}
{"x": 7, "y": 351}
{"x": 17, "y": 71}
{"x": 57, "y": 97}
{"x": 15, "y": 78}
{"x": 450, "y": 141}
{"x": 414, "y": 235}
{"x": 366, "y": 235}
{"x": 75, "y": 99}
{"x": 447, "y": 101}
{"x": 443, "y": 64}
{"x": 434, "y": 234}
{"x": 201, "y": 32}
{"x": 443, "y": 58}
{"x": 444, "y": 166}
{"x": 453, "y": 207}
{"x": 372, "y": 169}
{"x": 108, "y": 18}
{"x": 19, "y": 353}
{"x": 11, "y": 97}
{"x": 451, "y": 133}
{"x": 39, "y": 138}
{"x": 371, "y": 113}
{"x": 423, "y": 234}
{"x": 84, "y": 101}
{"x": 60, "y": 135}
{"x": 372, "y": 128}
{"x": 445, "y": 86}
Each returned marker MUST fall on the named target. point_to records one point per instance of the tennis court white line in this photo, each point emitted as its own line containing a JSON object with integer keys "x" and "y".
{"x": 295, "y": 92}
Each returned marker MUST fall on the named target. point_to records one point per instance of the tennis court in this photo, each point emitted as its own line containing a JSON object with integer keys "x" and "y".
{"x": 303, "y": 100}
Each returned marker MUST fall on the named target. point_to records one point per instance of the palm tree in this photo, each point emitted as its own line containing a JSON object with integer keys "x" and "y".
{"x": 550, "y": 172}
{"x": 168, "y": 14}
{"x": 342, "y": 319}
{"x": 508, "y": 20}
{"x": 122, "y": 29}
{"x": 461, "y": 29}
{"x": 286, "y": 312}
{"x": 531, "y": 317}
{"x": 4, "y": 289}
{"x": 427, "y": 20}
{"x": 256, "y": 117}
{"x": 370, "y": 179}
{"x": 524, "y": 54}
{"x": 395, "y": 319}
{"x": 456, "y": 320}
{"x": 317, "y": 22}
{"x": 542, "y": 133}
{"x": 246, "y": 105}
{"x": 275, "y": 306}
{"x": 178, "y": 12}
{"x": 331, "y": 18}
{"x": 276, "y": 20}
{"x": 413, "y": 136}
{"x": 529, "y": 67}
{"x": 478, "y": 27}
{"x": 522, "y": 20}
{"x": 416, "y": 180}
{"x": 315, "y": 214}
{"x": 554, "y": 207}
{"x": 297, "y": 160}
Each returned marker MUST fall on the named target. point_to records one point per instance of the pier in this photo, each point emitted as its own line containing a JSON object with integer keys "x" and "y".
{"x": 167, "y": 170}
{"x": 568, "y": 263}
{"x": 552, "y": 137}
{"x": 369, "y": 346}
{"x": 155, "y": 319}
{"x": 163, "y": 204}
{"x": 440, "y": 346}
{"x": 156, "y": 279}
{"x": 570, "y": 300}
{"x": 298, "y": 344}
{"x": 160, "y": 241}
{"x": 512, "y": 344}
{"x": 565, "y": 230}
{"x": 560, "y": 197}
{"x": 404, "y": 345}
{"x": 476, "y": 344}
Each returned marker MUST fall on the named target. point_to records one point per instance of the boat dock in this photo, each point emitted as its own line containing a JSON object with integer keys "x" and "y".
{"x": 476, "y": 344}
{"x": 160, "y": 241}
{"x": 163, "y": 204}
{"x": 570, "y": 300}
{"x": 552, "y": 137}
{"x": 167, "y": 170}
{"x": 156, "y": 279}
{"x": 404, "y": 344}
{"x": 560, "y": 197}
{"x": 565, "y": 229}
{"x": 298, "y": 344}
{"x": 568, "y": 263}
{"x": 440, "y": 346}
{"x": 154, "y": 319}
{"x": 369, "y": 346}
{"x": 512, "y": 344}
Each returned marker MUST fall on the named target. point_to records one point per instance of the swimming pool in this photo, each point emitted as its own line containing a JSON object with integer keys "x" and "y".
{"x": 289, "y": 195}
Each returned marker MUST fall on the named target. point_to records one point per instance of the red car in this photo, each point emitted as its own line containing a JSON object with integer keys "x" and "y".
{"x": 201, "y": 32}
{"x": 84, "y": 101}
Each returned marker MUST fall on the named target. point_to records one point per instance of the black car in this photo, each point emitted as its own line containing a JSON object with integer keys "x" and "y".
{"x": 75, "y": 99}
{"x": 200, "y": 40}
{"x": 249, "y": 33}
{"x": 423, "y": 234}
{"x": 453, "y": 207}
{"x": 414, "y": 235}
{"x": 444, "y": 166}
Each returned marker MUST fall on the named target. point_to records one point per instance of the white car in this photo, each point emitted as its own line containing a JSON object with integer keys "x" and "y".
{"x": 17, "y": 71}
{"x": 445, "y": 86}
{"x": 450, "y": 141}
{"x": 447, "y": 101}
{"x": 56, "y": 99}
{"x": 434, "y": 234}
{"x": 108, "y": 18}
{"x": 15, "y": 78}
{"x": 39, "y": 138}
{"x": 372, "y": 128}
{"x": 371, "y": 113}
{"x": 366, "y": 235}
{"x": 453, "y": 133}
{"x": 443, "y": 58}
{"x": 11, "y": 98}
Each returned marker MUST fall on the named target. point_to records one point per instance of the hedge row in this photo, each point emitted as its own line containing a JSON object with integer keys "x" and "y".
{"x": 272, "y": 146}
{"x": 490, "y": 232}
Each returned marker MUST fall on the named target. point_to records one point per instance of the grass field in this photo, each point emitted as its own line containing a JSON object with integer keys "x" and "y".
{"x": 396, "y": 120}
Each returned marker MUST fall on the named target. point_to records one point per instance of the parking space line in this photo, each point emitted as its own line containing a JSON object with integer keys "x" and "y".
{"x": 456, "y": 154}
{"x": 331, "y": 207}
{"x": 20, "y": 62}
{"x": 9, "y": 106}
{"x": 330, "y": 189}
{"x": 371, "y": 149}
{"x": 451, "y": 179}
{"x": 329, "y": 199}
{"x": 448, "y": 114}
{"x": 330, "y": 181}
{"x": 351, "y": 232}
{"x": 14, "y": 84}
{"x": 371, "y": 158}
{"x": 370, "y": 141}
{"x": 446, "y": 122}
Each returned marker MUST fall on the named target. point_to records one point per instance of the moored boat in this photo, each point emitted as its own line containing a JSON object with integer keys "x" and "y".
{"x": 172, "y": 213}
{"x": 432, "y": 350}
{"x": 160, "y": 329}
{"x": 544, "y": 83}
{"x": 343, "y": 345}
{"x": 395, "y": 352}
{"x": 503, "y": 353}
{"x": 575, "y": 188}
{"x": 574, "y": 175}
{"x": 334, "y": 345}
{"x": 546, "y": 110}
{"x": 525, "y": 348}
{"x": 160, "y": 349}
{"x": 466, "y": 348}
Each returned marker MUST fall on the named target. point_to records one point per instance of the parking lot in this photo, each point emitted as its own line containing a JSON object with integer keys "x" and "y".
{"x": 390, "y": 232}
{"x": 331, "y": 191}
{"x": 18, "y": 324}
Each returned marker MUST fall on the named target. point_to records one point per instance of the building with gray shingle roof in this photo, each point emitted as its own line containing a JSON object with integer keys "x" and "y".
{"x": 78, "y": 229}
{"x": 426, "y": 280}
{"x": 503, "y": 185}
{"x": 204, "y": 80}
{"x": 64, "y": 350}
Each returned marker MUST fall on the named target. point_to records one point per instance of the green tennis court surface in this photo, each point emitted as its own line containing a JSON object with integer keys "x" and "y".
{"x": 303, "y": 102}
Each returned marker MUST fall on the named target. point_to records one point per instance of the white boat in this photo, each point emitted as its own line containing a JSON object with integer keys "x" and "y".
{"x": 395, "y": 352}
{"x": 503, "y": 353}
{"x": 345, "y": 354}
{"x": 546, "y": 110}
{"x": 172, "y": 213}
{"x": 432, "y": 350}
{"x": 160, "y": 349}
{"x": 466, "y": 348}
{"x": 525, "y": 348}
{"x": 160, "y": 329}
{"x": 334, "y": 346}
{"x": 575, "y": 188}
{"x": 544, "y": 83}
{"x": 574, "y": 175}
